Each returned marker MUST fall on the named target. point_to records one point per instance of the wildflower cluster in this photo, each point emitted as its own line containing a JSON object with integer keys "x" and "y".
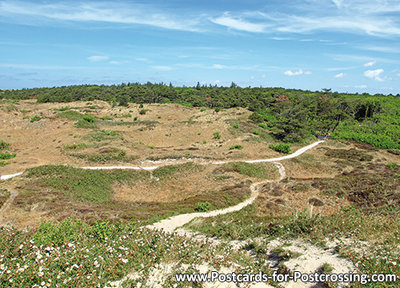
{"x": 73, "y": 253}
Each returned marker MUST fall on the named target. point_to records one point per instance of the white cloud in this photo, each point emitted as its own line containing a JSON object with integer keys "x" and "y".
{"x": 369, "y": 64}
{"x": 238, "y": 24}
{"x": 111, "y": 12}
{"x": 218, "y": 66}
{"x": 162, "y": 68}
{"x": 338, "y": 3}
{"x": 361, "y": 86}
{"x": 378, "y": 18}
{"x": 340, "y": 75}
{"x": 374, "y": 74}
{"x": 374, "y": 17}
{"x": 142, "y": 59}
{"x": 385, "y": 49}
{"x": 297, "y": 73}
{"x": 97, "y": 58}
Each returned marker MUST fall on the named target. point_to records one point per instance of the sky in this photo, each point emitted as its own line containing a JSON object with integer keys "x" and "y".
{"x": 347, "y": 46}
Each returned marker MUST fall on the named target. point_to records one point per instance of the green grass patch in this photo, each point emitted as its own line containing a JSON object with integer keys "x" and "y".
{"x": 392, "y": 166}
{"x": 145, "y": 123}
{"x": 87, "y": 185}
{"x": 11, "y": 107}
{"x": 89, "y": 118}
{"x": 85, "y": 124}
{"x": 98, "y": 136}
{"x": 106, "y": 155}
{"x": 171, "y": 171}
{"x": 70, "y": 115}
{"x": 109, "y": 132}
{"x": 35, "y": 118}
{"x": 249, "y": 169}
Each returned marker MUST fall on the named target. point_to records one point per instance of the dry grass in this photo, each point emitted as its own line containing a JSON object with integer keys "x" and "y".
{"x": 165, "y": 130}
{"x": 58, "y": 192}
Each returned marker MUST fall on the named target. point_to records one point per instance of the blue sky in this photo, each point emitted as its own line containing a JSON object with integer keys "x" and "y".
{"x": 349, "y": 46}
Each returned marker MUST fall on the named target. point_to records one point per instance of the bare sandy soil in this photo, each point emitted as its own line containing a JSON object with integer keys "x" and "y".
{"x": 179, "y": 132}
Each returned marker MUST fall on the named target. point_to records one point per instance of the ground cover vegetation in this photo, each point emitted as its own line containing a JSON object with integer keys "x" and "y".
{"x": 368, "y": 220}
{"x": 100, "y": 236}
{"x": 5, "y": 154}
{"x": 292, "y": 115}
{"x": 90, "y": 194}
{"x": 75, "y": 254}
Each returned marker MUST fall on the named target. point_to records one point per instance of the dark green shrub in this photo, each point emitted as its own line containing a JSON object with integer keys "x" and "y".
{"x": 6, "y": 156}
{"x": 236, "y": 147}
{"x": 394, "y": 151}
{"x": 262, "y": 125}
{"x": 282, "y": 148}
{"x": 88, "y": 118}
{"x": 202, "y": 207}
{"x": 217, "y": 135}
{"x": 256, "y": 117}
{"x": 4, "y": 145}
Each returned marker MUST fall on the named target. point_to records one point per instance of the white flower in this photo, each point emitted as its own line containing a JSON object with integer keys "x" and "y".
{"x": 124, "y": 260}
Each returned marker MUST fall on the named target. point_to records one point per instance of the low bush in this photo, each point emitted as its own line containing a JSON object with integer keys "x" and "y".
{"x": 35, "y": 118}
{"x": 202, "y": 206}
{"x": 4, "y": 145}
{"x": 236, "y": 147}
{"x": 392, "y": 165}
{"x": 282, "y": 148}
{"x": 75, "y": 146}
{"x": 6, "y": 156}
{"x": 217, "y": 135}
{"x": 88, "y": 118}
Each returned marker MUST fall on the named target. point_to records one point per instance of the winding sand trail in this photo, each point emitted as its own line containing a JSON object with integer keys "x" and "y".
{"x": 293, "y": 155}
{"x": 170, "y": 224}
